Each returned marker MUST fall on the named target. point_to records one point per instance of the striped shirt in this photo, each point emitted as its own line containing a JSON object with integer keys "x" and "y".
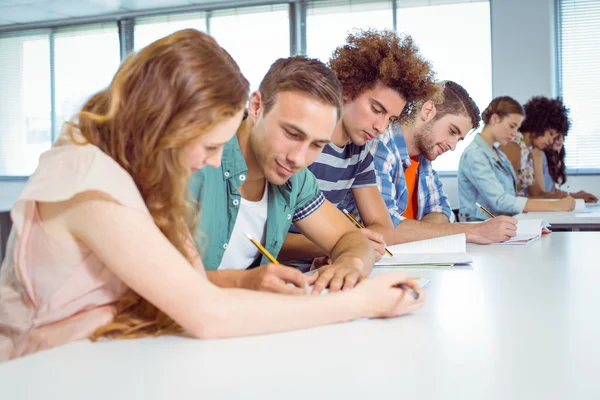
{"x": 340, "y": 169}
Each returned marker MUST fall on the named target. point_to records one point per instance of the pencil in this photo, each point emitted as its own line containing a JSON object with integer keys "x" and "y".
{"x": 360, "y": 226}
{"x": 273, "y": 260}
{"x": 264, "y": 251}
{"x": 485, "y": 211}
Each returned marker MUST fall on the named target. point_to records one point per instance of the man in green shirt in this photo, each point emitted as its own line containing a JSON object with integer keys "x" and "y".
{"x": 262, "y": 187}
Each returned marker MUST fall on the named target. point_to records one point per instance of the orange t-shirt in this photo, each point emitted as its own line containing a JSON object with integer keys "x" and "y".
{"x": 411, "y": 174}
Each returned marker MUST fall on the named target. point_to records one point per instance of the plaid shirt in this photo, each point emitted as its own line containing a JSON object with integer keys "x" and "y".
{"x": 389, "y": 153}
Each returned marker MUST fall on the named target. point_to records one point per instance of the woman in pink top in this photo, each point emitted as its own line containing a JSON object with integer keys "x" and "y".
{"x": 100, "y": 245}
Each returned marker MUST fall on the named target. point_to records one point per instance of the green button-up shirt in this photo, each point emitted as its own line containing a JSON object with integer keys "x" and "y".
{"x": 216, "y": 190}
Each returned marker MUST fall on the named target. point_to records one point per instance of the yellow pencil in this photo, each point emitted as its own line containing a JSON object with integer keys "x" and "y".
{"x": 273, "y": 260}
{"x": 264, "y": 251}
{"x": 360, "y": 226}
{"x": 485, "y": 211}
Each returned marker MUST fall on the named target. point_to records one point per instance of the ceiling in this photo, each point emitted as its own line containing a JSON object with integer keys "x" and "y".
{"x": 16, "y": 12}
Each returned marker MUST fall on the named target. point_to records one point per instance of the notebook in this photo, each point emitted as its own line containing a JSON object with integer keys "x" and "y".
{"x": 528, "y": 231}
{"x": 444, "y": 251}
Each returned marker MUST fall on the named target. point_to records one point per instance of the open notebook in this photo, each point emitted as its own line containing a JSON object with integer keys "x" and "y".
{"x": 439, "y": 252}
{"x": 528, "y": 230}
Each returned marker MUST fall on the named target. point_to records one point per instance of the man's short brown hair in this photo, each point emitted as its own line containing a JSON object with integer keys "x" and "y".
{"x": 370, "y": 57}
{"x": 303, "y": 75}
{"x": 451, "y": 98}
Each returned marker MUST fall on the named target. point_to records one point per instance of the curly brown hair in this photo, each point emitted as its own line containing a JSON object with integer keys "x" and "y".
{"x": 370, "y": 57}
{"x": 543, "y": 113}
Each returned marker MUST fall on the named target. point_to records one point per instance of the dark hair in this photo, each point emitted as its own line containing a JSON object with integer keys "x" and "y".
{"x": 457, "y": 101}
{"x": 301, "y": 74}
{"x": 556, "y": 164}
{"x": 543, "y": 113}
{"x": 502, "y": 106}
{"x": 370, "y": 57}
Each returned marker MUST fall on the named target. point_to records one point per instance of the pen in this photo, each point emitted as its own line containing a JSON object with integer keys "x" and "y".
{"x": 266, "y": 253}
{"x": 484, "y": 210}
{"x": 360, "y": 226}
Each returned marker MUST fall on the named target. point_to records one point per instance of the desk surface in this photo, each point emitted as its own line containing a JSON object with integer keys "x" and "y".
{"x": 522, "y": 323}
{"x": 572, "y": 220}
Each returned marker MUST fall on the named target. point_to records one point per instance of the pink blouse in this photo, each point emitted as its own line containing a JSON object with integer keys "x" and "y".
{"x": 55, "y": 290}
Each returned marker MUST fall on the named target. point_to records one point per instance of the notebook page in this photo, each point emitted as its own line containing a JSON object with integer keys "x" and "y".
{"x": 444, "y": 244}
{"x": 528, "y": 230}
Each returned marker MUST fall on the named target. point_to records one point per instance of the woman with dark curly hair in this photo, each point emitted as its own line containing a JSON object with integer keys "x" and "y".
{"x": 545, "y": 120}
{"x": 554, "y": 171}
{"x": 382, "y": 76}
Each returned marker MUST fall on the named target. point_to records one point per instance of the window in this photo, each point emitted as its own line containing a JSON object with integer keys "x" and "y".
{"x": 580, "y": 80}
{"x": 456, "y": 39}
{"x": 328, "y": 23}
{"x": 147, "y": 30}
{"x": 25, "y": 101}
{"x": 85, "y": 61}
{"x": 254, "y": 36}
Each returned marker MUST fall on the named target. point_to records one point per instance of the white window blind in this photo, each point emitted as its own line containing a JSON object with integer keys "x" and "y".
{"x": 150, "y": 29}
{"x": 580, "y": 80}
{"x": 85, "y": 60}
{"x": 254, "y": 36}
{"x": 25, "y": 101}
{"x": 329, "y": 22}
{"x": 455, "y": 36}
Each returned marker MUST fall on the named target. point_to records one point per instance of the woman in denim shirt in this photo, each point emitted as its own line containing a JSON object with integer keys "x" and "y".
{"x": 486, "y": 176}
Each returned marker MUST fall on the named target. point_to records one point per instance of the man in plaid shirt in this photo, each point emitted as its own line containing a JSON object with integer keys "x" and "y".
{"x": 410, "y": 187}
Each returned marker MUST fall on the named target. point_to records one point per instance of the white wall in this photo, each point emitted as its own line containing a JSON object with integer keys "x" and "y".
{"x": 523, "y": 48}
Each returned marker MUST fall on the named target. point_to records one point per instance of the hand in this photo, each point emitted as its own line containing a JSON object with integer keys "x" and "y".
{"x": 565, "y": 204}
{"x": 275, "y": 278}
{"x": 587, "y": 197}
{"x": 319, "y": 262}
{"x": 344, "y": 274}
{"x": 377, "y": 242}
{"x": 384, "y": 299}
{"x": 494, "y": 230}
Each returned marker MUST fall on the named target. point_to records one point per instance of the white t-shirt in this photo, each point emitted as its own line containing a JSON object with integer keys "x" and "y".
{"x": 251, "y": 219}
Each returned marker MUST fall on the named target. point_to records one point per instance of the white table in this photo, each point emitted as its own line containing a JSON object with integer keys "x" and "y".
{"x": 522, "y": 323}
{"x": 569, "y": 221}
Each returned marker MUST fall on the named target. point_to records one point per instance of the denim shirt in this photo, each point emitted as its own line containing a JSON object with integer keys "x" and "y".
{"x": 216, "y": 191}
{"x": 487, "y": 180}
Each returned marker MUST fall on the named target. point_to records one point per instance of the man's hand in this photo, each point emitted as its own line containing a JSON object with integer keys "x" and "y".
{"x": 275, "y": 278}
{"x": 498, "y": 229}
{"x": 344, "y": 273}
{"x": 377, "y": 242}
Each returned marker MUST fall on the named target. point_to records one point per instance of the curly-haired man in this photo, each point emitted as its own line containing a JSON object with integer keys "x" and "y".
{"x": 382, "y": 75}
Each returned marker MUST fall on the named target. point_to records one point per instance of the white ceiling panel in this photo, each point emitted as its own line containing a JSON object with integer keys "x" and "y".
{"x": 79, "y": 8}
{"x": 28, "y": 13}
{"x": 14, "y": 12}
{"x": 150, "y": 4}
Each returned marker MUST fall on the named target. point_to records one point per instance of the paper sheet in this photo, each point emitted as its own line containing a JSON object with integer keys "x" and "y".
{"x": 528, "y": 231}
{"x": 438, "y": 252}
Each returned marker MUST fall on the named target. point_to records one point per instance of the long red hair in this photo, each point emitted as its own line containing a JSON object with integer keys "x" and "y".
{"x": 161, "y": 99}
